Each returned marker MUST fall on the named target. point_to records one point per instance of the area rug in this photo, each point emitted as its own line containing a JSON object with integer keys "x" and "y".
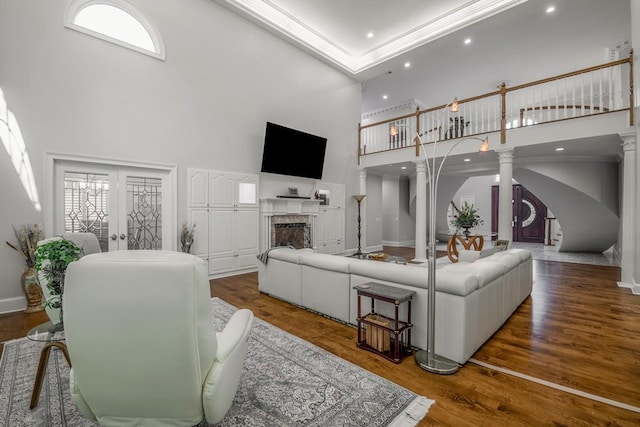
{"x": 286, "y": 382}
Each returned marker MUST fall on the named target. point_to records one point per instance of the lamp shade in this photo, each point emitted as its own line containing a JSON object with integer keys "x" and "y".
{"x": 358, "y": 197}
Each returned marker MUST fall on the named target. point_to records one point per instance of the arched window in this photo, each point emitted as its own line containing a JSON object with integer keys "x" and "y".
{"x": 116, "y": 21}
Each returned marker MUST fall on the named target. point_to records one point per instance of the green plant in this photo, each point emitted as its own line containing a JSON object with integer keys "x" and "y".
{"x": 467, "y": 216}
{"x": 52, "y": 259}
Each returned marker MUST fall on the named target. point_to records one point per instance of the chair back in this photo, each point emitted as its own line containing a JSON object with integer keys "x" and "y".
{"x": 140, "y": 336}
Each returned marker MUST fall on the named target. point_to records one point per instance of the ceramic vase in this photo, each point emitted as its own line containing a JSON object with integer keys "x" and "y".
{"x": 32, "y": 290}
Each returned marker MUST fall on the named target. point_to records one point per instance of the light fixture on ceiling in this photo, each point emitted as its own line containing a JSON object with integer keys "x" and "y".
{"x": 428, "y": 359}
{"x": 467, "y": 41}
{"x": 369, "y": 35}
{"x": 385, "y": 96}
{"x": 407, "y": 64}
{"x": 467, "y": 160}
{"x": 560, "y": 149}
{"x": 551, "y": 9}
{"x": 403, "y": 167}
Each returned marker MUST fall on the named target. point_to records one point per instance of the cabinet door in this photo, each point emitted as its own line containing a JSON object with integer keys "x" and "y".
{"x": 246, "y": 190}
{"x": 221, "y": 189}
{"x": 198, "y": 188}
{"x": 221, "y": 232}
{"x": 200, "y": 218}
{"x": 246, "y": 230}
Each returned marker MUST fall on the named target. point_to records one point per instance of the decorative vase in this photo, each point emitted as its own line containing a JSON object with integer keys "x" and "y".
{"x": 466, "y": 233}
{"x": 32, "y": 290}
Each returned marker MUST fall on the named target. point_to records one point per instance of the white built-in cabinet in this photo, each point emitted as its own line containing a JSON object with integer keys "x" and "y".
{"x": 224, "y": 208}
{"x": 330, "y": 222}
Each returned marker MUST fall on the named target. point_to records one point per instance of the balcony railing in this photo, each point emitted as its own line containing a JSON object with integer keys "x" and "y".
{"x": 591, "y": 91}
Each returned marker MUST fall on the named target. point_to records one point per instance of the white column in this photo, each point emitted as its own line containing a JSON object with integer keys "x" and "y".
{"x": 421, "y": 211}
{"x": 635, "y": 41}
{"x": 505, "y": 204}
{"x": 363, "y": 209}
{"x": 628, "y": 216}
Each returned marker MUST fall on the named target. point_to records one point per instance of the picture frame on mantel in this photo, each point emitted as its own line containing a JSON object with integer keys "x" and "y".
{"x": 323, "y": 196}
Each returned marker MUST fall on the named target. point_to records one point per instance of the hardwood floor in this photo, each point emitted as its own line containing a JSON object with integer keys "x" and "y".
{"x": 578, "y": 330}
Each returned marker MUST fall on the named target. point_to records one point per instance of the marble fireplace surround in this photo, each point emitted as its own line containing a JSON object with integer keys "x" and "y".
{"x": 288, "y": 221}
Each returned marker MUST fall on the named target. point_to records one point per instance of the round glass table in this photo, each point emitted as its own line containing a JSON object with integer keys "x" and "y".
{"x": 53, "y": 337}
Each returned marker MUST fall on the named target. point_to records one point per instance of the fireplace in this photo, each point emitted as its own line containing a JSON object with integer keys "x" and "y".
{"x": 294, "y": 230}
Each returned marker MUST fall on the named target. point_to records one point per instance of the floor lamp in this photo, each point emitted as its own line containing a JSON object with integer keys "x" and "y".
{"x": 358, "y": 198}
{"x": 428, "y": 359}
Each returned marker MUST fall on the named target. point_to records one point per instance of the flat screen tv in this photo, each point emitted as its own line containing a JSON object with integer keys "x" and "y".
{"x": 292, "y": 152}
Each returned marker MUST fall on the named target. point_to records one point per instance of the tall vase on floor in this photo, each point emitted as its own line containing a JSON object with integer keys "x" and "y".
{"x": 32, "y": 290}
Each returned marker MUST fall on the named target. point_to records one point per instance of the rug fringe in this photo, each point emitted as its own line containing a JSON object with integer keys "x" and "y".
{"x": 413, "y": 413}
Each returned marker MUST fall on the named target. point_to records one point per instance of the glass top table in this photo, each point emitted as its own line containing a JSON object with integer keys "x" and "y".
{"x": 46, "y": 332}
{"x": 53, "y": 337}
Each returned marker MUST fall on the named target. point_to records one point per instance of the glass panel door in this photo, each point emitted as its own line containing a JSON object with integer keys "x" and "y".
{"x": 126, "y": 208}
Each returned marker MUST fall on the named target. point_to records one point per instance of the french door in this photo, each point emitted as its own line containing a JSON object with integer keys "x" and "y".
{"x": 126, "y": 207}
{"x": 528, "y": 214}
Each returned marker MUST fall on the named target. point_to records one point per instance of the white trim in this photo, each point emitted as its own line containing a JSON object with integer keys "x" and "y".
{"x": 52, "y": 158}
{"x": 12, "y": 305}
{"x": 557, "y": 386}
{"x": 76, "y": 6}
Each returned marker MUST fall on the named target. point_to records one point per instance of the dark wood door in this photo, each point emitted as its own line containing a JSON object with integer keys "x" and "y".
{"x": 528, "y": 214}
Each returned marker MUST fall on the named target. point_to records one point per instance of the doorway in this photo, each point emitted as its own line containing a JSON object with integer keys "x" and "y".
{"x": 127, "y": 206}
{"x": 529, "y": 214}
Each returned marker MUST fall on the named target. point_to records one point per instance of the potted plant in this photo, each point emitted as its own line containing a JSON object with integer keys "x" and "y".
{"x": 456, "y": 127}
{"x": 52, "y": 258}
{"x": 465, "y": 218}
{"x": 186, "y": 237}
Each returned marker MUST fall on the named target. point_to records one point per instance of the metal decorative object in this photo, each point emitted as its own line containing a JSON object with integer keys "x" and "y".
{"x": 358, "y": 198}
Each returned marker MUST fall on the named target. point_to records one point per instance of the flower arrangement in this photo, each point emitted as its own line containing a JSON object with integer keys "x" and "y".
{"x": 186, "y": 237}
{"x": 466, "y": 217}
{"x": 27, "y": 236}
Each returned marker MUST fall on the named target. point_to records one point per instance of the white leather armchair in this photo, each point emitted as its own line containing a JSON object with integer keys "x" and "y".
{"x": 142, "y": 344}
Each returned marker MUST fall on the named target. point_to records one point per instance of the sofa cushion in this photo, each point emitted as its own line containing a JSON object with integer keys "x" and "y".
{"x": 326, "y": 262}
{"x": 485, "y": 272}
{"x": 510, "y": 261}
{"x": 391, "y": 272}
{"x": 456, "y": 282}
{"x": 524, "y": 254}
{"x": 288, "y": 254}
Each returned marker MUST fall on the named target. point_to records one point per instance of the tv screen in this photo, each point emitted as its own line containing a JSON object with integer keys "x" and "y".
{"x": 292, "y": 152}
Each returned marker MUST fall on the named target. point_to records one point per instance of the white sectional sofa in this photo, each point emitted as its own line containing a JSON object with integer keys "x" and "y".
{"x": 474, "y": 297}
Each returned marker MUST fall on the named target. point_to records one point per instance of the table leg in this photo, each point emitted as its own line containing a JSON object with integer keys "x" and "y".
{"x": 42, "y": 369}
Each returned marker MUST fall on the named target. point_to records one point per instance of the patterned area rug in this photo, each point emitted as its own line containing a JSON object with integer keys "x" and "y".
{"x": 286, "y": 382}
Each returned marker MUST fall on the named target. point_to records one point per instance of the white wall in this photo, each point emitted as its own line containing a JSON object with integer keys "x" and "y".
{"x": 205, "y": 106}
{"x": 374, "y": 212}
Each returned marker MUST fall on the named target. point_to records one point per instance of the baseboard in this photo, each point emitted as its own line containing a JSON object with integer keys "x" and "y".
{"x": 11, "y": 305}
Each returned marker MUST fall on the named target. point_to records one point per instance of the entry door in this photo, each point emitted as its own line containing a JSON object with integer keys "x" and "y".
{"x": 528, "y": 214}
{"x": 127, "y": 208}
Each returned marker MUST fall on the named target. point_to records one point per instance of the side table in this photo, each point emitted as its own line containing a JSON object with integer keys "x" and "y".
{"x": 53, "y": 338}
{"x": 388, "y": 337}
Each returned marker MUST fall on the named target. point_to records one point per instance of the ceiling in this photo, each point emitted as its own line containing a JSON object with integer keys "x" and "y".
{"x": 511, "y": 41}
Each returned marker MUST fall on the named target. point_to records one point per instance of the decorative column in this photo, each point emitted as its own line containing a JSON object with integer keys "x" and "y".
{"x": 628, "y": 215}
{"x": 421, "y": 211}
{"x": 363, "y": 190}
{"x": 505, "y": 204}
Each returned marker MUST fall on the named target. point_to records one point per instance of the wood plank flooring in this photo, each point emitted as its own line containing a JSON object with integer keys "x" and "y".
{"x": 578, "y": 330}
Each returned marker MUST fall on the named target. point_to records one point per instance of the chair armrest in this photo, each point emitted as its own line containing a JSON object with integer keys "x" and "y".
{"x": 235, "y": 333}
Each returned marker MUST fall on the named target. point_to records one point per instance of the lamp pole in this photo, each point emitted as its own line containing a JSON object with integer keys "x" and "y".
{"x": 358, "y": 198}
{"x": 429, "y": 360}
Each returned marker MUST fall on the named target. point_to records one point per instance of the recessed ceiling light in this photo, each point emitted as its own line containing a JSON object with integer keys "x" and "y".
{"x": 403, "y": 167}
{"x": 385, "y": 96}
{"x": 407, "y": 64}
{"x": 467, "y": 160}
{"x": 551, "y": 9}
{"x": 369, "y": 35}
{"x": 560, "y": 149}
{"x": 467, "y": 41}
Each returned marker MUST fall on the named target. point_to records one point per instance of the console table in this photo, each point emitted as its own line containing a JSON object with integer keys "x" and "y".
{"x": 388, "y": 337}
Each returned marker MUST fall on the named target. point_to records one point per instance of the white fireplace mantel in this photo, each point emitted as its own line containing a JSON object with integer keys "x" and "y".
{"x": 284, "y": 206}
{"x": 270, "y": 208}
